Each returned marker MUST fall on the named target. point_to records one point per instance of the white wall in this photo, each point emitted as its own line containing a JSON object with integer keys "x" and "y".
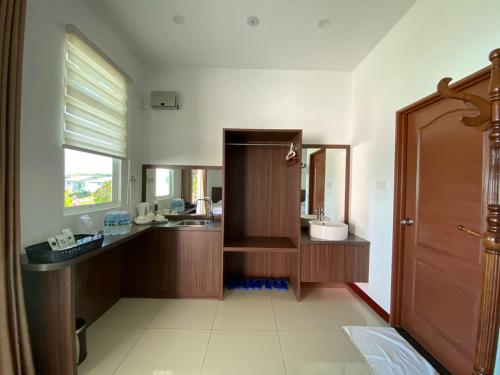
{"x": 213, "y": 99}
{"x": 42, "y": 161}
{"x": 434, "y": 39}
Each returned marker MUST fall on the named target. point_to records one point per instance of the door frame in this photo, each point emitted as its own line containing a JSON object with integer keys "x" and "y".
{"x": 312, "y": 181}
{"x": 400, "y": 187}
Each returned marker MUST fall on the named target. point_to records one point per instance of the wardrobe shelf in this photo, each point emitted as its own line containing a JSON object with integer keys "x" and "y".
{"x": 248, "y": 244}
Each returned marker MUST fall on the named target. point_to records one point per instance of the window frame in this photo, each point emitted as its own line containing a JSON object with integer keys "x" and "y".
{"x": 116, "y": 184}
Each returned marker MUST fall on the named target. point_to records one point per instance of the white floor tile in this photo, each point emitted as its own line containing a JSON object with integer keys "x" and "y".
{"x": 322, "y": 310}
{"x": 186, "y": 313}
{"x": 167, "y": 352}
{"x": 107, "y": 348}
{"x": 245, "y": 310}
{"x": 243, "y": 340}
{"x": 131, "y": 312}
{"x": 320, "y": 353}
{"x": 243, "y": 353}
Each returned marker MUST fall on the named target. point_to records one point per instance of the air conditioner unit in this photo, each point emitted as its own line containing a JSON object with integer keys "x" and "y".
{"x": 164, "y": 100}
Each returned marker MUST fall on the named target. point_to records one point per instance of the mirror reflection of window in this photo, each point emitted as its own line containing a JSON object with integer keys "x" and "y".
{"x": 164, "y": 179}
{"x": 167, "y": 185}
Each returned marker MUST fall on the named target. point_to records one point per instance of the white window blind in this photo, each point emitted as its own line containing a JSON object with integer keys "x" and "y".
{"x": 95, "y": 102}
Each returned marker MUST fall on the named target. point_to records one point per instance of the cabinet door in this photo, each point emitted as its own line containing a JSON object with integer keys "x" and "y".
{"x": 194, "y": 263}
{"x": 174, "y": 264}
{"x": 334, "y": 263}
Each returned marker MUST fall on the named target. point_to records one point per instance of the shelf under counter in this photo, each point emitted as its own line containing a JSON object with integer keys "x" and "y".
{"x": 248, "y": 244}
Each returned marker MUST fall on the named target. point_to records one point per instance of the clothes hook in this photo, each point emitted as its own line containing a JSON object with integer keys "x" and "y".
{"x": 291, "y": 153}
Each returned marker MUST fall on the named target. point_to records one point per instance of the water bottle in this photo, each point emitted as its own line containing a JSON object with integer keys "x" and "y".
{"x": 107, "y": 224}
{"x": 114, "y": 223}
{"x": 125, "y": 222}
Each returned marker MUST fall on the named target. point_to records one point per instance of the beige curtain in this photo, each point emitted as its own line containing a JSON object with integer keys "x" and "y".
{"x": 201, "y": 207}
{"x": 15, "y": 352}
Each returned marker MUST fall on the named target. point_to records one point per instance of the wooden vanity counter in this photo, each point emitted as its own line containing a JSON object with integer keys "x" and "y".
{"x": 334, "y": 261}
{"x": 156, "y": 260}
{"x": 112, "y": 241}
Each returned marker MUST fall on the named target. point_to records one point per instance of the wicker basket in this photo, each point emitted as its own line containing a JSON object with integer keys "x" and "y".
{"x": 42, "y": 253}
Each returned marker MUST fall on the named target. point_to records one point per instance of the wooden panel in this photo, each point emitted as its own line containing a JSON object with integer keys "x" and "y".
{"x": 259, "y": 244}
{"x": 50, "y": 308}
{"x": 262, "y": 192}
{"x": 98, "y": 284}
{"x": 258, "y": 264}
{"x": 174, "y": 264}
{"x": 334, "y": 263}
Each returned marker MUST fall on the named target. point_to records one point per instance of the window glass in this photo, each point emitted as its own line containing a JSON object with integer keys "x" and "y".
{"x": 88, "y": 179}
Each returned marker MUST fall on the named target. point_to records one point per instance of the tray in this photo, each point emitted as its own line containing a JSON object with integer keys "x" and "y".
{"x": 42, "y": 253}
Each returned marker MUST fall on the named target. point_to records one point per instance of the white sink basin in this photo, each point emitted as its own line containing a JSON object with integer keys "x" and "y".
{"x": 309, "y": 217}
{"x": 328, "y": 230}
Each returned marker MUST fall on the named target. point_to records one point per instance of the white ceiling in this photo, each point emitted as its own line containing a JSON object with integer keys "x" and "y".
{"x": 216, "y": 34}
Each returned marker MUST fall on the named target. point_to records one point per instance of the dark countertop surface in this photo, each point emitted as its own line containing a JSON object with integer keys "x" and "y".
{"x": 110, "y": 242}
{"x": 351, "y": 240}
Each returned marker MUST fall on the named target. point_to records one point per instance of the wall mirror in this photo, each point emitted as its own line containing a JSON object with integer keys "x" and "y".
{"x": 325, "y": 182}
{"x": 179, "y": 189}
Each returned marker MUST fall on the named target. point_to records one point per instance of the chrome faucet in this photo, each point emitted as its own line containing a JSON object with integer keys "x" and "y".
{"x": 320, "y": 214}
{"x": 209, "y": 209}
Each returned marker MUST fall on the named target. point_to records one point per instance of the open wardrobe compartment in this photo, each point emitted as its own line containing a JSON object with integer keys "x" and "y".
{"x": 262, "y": 204}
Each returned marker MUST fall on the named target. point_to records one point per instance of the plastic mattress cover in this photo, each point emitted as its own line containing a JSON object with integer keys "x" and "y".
{"x": 387, "y": 352}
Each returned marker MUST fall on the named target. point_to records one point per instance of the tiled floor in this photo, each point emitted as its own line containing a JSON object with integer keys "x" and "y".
{"x": 254, "y": 333}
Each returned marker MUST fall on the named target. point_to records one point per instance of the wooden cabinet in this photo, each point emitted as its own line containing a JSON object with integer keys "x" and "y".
{"x": 329, "y": 263}
{"x": 262, "y": 204}
{"x": 174, "y": 263}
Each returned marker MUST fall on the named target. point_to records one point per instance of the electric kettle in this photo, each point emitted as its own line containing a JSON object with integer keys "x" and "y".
{"x": 144, "y": 209}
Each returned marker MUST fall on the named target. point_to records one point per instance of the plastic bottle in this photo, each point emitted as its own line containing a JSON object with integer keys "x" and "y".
{"x": 107, "y": 224}
{"x": 124, "y": 222}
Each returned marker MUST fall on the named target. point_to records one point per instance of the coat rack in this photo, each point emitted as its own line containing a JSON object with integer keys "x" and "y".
{"x": 488, "y": 119}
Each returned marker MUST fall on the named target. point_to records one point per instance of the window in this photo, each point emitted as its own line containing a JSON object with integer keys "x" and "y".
{"x": 96, "y": 110}
{"x": 164, "y": 179}
{"x": 90, "y": 180}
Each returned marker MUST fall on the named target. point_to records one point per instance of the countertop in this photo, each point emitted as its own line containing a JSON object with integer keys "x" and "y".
{"x": 351, "y": 240}
{"x": 111, "y": 242}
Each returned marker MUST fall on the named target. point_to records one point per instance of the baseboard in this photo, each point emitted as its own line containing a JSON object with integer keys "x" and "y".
{"x": 367, "y": 299}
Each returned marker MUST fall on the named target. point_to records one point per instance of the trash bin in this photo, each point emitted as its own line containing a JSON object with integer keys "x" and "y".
{"x": 81, "y": 340}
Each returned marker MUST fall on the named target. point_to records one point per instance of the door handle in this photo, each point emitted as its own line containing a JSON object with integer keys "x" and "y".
{"x": 407, "y": 221}
{"x": 469, "y": 231}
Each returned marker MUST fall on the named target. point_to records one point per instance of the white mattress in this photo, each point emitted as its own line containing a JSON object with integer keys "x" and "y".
{"x": 387, "y": 352}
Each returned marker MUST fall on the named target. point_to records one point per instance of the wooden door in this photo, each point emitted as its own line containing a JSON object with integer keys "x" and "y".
{"x": 445, "y": 184}
{"x": 317, "y": 166}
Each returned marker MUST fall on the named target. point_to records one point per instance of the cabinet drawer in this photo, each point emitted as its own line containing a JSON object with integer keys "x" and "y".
{"x": 334, "y": 263}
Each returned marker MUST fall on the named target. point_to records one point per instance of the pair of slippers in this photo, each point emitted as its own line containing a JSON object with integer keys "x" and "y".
{"x": 257, "y": 284}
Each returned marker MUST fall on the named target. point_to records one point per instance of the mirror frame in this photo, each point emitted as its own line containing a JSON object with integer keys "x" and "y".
{"x": 145, "y": 167}
{"x": 347, "y": 148}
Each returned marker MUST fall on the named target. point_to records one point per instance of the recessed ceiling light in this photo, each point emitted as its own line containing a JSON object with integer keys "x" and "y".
{"x": 325, "y": 23}
{"x": 253, "y": 21}
{"x": 178, "y": 19}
